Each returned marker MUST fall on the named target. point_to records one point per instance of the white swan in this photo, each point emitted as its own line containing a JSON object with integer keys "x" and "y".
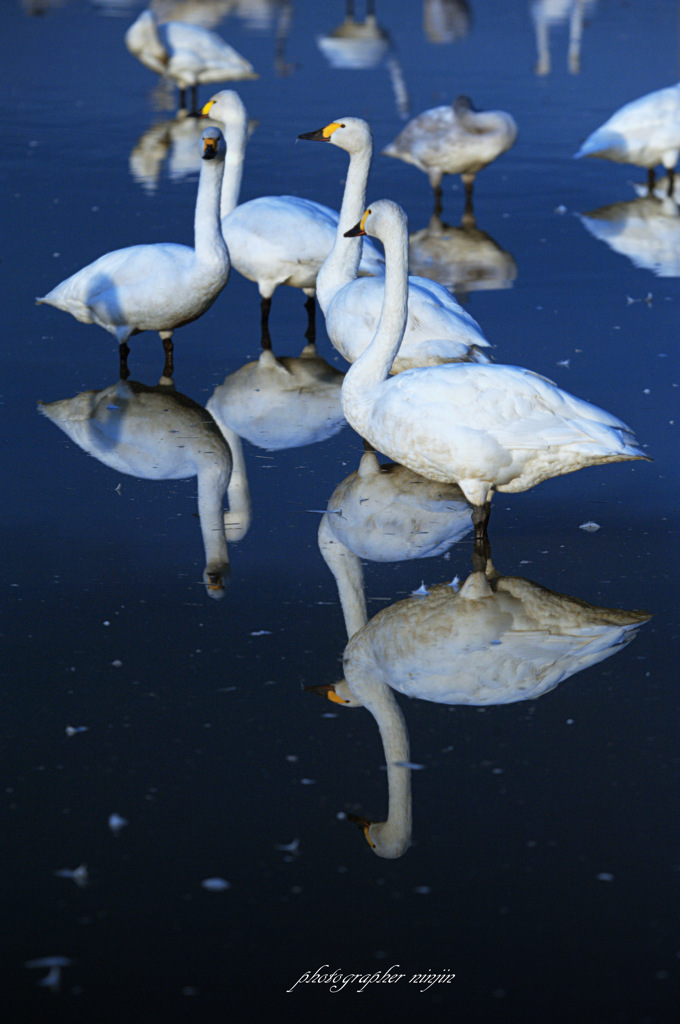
{"x": 438, "y": 330}
{"x": 644, "y": 132}
{"x": 493, "y": 640}
{"x": 486, "y": 428}
{"x": 273, "y": 240}
{"x": 454, "y": 139}
{"x": 189, "y": 54}
{"x": 157, "y": 433}
{"x": 161, "y": 286}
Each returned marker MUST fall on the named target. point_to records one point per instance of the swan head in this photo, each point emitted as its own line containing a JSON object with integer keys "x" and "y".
{"x": 349, "y": 133}
{"x": 385, "y": 840}
{"x": 377, "y": 218}
{"x": 213, "y": 145}
{"x": 226, "y": 107}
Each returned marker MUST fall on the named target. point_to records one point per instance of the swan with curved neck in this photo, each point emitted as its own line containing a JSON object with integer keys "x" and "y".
{"x": 274, "y": 240}
{"x": 486, "y": 428}
{"x": 438, "y": 329}
{"x": 156, "y": 433}
{"x": 161, "y": 286}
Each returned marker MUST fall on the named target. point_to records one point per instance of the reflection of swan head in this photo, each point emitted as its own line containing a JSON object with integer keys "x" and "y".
{"x": 156, "y": 433}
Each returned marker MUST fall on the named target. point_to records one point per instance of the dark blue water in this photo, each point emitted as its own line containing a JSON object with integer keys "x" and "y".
{"x": 544, "y": 864}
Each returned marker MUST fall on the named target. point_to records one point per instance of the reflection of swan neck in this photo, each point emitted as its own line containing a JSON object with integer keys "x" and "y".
{"x": 349, "y": 576}
{"x": 390, "y": 838}
{"x": 237, "y": 519}
{"x": 212, "y": 483}
{"x": 342, "y": 264}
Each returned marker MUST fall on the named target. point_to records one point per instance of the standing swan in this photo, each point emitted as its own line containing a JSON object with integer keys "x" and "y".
{"x": 486, "y": 428}
{"x": 189, "y": 54}
{"x": 438, "y": 330}
{"x": 273, "y": 240}
{"x": 454, "y": 139}
{"x": 161, "y": 286}
{"x": 645, "y": 132}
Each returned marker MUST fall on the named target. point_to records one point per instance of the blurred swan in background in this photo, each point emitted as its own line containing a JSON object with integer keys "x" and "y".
{"x": 273, "y": 240}
{"x": 493, "y": 640}
{"x": 438, "y": 330}
{"x": 161, "y": 286}
{"x": 357, "y": 45}
{"x": 156, "y": 433}
{"x": 386, "y": 513}
{"x": 646, "y": 230}
{"x": 188, "y": 54}
{"x": 445, "y": 21}
{"x": 548, "y": 14}
{"x": 464, "y": 259}
{"x": 454, "y": 139}
{"x": 486, "y": 428}
{"x": 644, "y": 132}
{"x": 281, "y": 402}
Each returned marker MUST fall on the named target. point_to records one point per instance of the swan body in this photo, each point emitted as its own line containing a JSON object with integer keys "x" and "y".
{"x": 645, "y": 230}
{"x": 161, "y": 286}
{"x": 273, "y": 240}
{"x": 454, "y": 139}
{"x": 281, "y": 402}
{"x": 157, "y": 434}
{"x": 438, "y": 330}
{"x": 645, "y": 132}
{"x": 190, "y": 55}
{"x": 486, "y": 428}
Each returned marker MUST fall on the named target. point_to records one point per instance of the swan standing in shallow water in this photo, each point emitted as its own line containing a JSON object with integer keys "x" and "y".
{"x": 486, "y": 428}
{"x": 438, "y": 330}
{"x": 454, "y": 139}
{"x": 645, "y": 132}
{"x": 156, "y": 433}
{"x": 273, "y": 240}
{"x": 161, "y": 286}
{"x": 189, "y": 54}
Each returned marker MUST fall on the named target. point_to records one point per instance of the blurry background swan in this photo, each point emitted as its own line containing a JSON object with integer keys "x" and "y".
{"x": 551, "y": 14}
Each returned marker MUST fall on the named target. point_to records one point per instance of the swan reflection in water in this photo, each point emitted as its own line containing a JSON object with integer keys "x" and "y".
{"x": 464, "y": 259}
{"x": 359, "y": 44}
{"x": 445, "y": 21}
{"x": 173, "y": 142}
{"x": 280, "y": 402}
{"x": 156, "y": 433}
{"x": 386, "y": 513}
{"x": 492, "y": 640}
{"x": 548, "y": 14}
{"x": 646, "y": 230}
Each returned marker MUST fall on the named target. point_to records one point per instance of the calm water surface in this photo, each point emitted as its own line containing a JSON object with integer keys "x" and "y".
{"x": 543, "y": 868}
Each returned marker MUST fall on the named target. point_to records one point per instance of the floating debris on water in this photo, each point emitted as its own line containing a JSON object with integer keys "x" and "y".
{"x": 589, "y": 527}
{"x": 78, "y": 875}
{"x": 72, "y": 730}
{"x": 54, "y": 966}
{"x": 116, "y": 823}
{"x": 215, "y": 884}
{"x": 422, "y": 591}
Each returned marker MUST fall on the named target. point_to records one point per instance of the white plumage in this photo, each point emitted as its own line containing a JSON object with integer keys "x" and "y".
{"x": 188, "y": 54}
{"x": 161, "y": 286}
{"x": 273, "y": 240}
{"x": 438, "y": 329}
{"x": 644, "y": 132}
{"x": 485, "y": 428}
{"x": 454, "y": 139}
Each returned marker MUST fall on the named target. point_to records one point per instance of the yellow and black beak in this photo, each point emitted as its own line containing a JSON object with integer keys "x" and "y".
{"x": 358, "y": 229}
{"x": 321, "y": 134}
{"x": 364, "y": 824}
{"x": 327, "y": 691}
{"x": 205, "y": 111}
{"x": 210, "y": 148}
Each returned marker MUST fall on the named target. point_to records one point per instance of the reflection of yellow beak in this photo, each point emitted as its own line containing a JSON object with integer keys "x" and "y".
{"x": 364, "y": 824}
{"x": 326, "y": 691}
{"x": 215, "y": 581}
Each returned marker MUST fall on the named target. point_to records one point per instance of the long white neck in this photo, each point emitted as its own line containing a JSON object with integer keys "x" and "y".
{"x": 349, "y": 576}
{"x": 390, "y": 838}
{"x": 374, "y": 364}
{"x": 342, "y": 263}
{"x": 237, "y": 138}
{"x": 209, "y": 242}
{"x": 212, "y": 483}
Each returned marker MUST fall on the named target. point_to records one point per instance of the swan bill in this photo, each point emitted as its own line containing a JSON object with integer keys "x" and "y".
{"x": 321, "y": 134}
{"x": 364, "y": 825}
